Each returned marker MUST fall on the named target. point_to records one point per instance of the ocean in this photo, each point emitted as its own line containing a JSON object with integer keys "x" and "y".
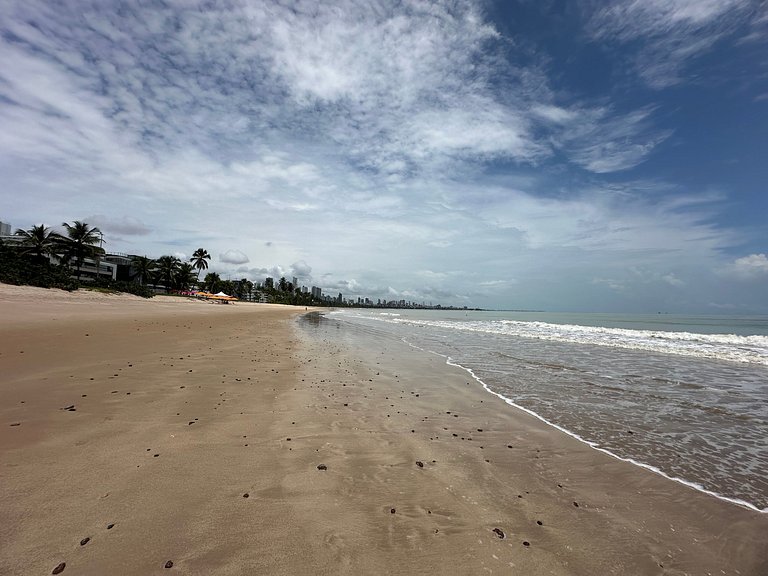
{"x": 683, "y": 396}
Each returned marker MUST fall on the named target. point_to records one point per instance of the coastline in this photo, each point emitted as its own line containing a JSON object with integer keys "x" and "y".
{"x": 520, "y": 471}
{"x": 596, "y": 446}
{"x": 239, "y": 400}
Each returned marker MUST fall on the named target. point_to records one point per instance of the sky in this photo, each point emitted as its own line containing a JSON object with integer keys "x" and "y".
{"x": 607, "y": 156}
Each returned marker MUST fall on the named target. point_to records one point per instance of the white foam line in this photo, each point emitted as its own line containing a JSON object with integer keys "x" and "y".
{"x": 698, "y": 487}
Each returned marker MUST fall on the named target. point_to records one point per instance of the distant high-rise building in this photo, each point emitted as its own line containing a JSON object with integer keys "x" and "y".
{"x": 5, "y": 229}
{"x": 295, "y": 283}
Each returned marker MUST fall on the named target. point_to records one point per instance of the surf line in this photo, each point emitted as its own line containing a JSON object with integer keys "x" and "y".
{"x": 698, "y": 487}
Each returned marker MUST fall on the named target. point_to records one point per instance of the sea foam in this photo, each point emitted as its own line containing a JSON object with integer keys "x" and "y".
{"x": 728, "y": 347}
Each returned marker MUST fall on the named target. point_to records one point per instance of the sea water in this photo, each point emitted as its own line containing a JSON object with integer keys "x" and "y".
{"x": 684, "y": 396}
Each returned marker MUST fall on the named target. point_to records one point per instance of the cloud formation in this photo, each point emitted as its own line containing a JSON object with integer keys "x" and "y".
{"x": 125, "y": 225}
{"x": 233, "y": 257}
{"x": 673, "y": 32}
{"x": 751, "y": 266}
{"x": 404, "y": 149}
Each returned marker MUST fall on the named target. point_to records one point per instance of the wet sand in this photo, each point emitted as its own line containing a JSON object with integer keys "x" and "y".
{"x": 172, "y": 436}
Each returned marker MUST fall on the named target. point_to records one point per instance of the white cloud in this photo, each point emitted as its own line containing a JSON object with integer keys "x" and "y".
{"x": 402, "y": 148}
{"x": 126, "y": 225}
{"x": 672, "y": 280}
{"x": 554, "y": 113}
{"x": 758, "y": 29}
{"x": 610, "y": 283}
{"x": 751, "y": 266}
{"x": 301, "y": 270}
{"x": 233, "y": 257}
{"x": 602, "y": 141}
{"x": 672, "y": 32}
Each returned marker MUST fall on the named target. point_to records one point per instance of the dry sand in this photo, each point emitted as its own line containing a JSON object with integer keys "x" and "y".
{"x": 196, "y": 430}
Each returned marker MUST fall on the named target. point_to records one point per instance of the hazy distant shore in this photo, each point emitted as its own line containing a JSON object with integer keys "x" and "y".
{"x": 230, "y": 440}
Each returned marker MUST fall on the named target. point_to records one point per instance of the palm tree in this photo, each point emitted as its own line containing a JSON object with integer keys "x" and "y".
{"x": 167, "y": 268}
{"x": 143, "y": 267}
{"x": 81, "y": 242}
{"x": 243, "y": 288}
{"x": 39, "y": 241}
{"x": 185, "y": 276}
{"x": 199, "y": 258}
{"x": 212, "y": 282}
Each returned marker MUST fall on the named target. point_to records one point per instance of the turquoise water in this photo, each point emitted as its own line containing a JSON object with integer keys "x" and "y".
{"x": 686, "y": 396}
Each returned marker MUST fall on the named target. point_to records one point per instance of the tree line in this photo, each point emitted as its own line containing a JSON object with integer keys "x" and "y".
{"x": 40, "y": 242}
{"x": 29, "y": 262}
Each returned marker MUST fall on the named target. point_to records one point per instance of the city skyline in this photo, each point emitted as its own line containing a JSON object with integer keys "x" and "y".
{"x": 592, "y": 156}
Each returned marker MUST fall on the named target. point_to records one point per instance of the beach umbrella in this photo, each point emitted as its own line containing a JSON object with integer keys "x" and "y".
{"x": 224, "y": 296}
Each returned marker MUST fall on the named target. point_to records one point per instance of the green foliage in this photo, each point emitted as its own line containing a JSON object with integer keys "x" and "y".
{"x": 122, "y": 286}
{"x": 199, "y": 258}
{"x": 186, "y": 277}
{"x": 27, "y": 263}
{"x": 39, "y": 241}
{"x": 212, "y": 282}
{"x": 243, "y": 288}
{"x": 167, "y": 270}
{"x": 80, "y": 243}
{"x": 27, "y": 270}
{"x": 227, "y": 286}
{"x": 143, "y": 268}
{"x": 293, "y": 298}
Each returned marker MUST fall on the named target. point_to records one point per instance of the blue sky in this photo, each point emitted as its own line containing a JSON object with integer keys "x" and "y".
{"x": 603, "y": 156}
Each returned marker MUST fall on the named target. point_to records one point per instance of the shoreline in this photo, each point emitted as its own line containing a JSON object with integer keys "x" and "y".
{"x": 637, "y": 496}
{"x": 198, "y": 432}
{"x": 747, "y": 495}
{"x": 595, "y": 446}
{"x": 692, "y": 485}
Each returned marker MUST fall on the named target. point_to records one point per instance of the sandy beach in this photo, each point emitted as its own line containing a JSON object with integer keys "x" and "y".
{"x": 174, "y": 436}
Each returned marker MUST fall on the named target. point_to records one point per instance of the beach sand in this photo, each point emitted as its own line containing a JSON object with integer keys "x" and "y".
{"x": 139, "y": 433}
